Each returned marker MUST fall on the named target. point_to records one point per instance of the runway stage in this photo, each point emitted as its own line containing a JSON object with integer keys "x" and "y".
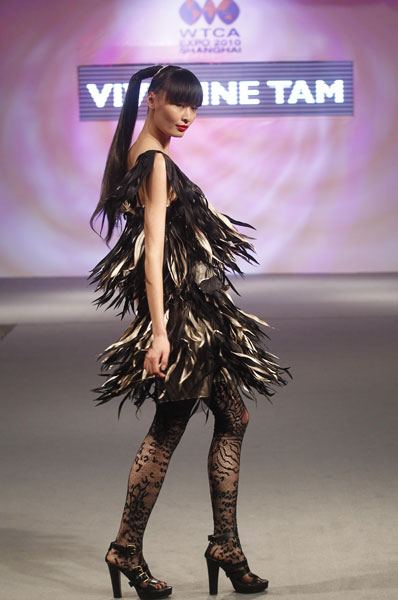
{"x": 318, "y": 498}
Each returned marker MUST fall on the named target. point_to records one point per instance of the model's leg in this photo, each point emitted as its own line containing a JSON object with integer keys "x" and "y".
{"x": 230, "y": 421}
{"x": 146, "y": 477}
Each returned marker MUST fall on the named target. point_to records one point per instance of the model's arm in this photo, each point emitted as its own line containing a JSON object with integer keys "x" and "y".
{"x": 154, "y": 228}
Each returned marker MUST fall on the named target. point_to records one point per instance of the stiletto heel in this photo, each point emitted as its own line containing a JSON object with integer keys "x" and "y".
{"x": 136, "y": 576}
{"x": 235, "y": 571}
{"x": 115, "y": 579}
{"x": 212, "y": 569}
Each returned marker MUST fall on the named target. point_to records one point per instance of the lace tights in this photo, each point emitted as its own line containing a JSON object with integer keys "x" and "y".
{"x": 151, "y": 462}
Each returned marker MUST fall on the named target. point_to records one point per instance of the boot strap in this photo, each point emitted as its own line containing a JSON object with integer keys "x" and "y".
{"x": 127, "y": 550}
{"x": 237, "y": 569}
{"x": 223, "y": 537}
{"x": 138, "y": 575}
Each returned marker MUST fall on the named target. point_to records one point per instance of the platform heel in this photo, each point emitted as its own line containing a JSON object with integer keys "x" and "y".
{"x": 234, "y": 571}
{"x": 212, "y": 569}
{"x": 115, "y": 580}
{"x": 139, "y": 576}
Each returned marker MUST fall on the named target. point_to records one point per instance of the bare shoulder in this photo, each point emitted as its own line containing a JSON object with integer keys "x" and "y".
{"x": 159, "y": 163}
{"x": 158, "y": 176}
{"x": 136, "y": 151}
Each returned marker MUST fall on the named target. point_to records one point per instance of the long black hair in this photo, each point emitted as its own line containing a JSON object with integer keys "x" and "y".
{"x": 179, "y": 85}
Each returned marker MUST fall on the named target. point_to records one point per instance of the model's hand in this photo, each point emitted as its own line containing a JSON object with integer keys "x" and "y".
{"x": 157, "y": 356}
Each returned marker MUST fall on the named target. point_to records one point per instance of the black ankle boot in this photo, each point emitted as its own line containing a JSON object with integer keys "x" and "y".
{"x": 235, "y": 571}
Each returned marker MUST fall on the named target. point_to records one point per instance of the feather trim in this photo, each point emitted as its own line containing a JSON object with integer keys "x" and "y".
{"x": 210, "y": 337}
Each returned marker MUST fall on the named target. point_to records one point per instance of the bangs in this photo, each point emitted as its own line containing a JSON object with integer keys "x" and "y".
{"x": 183, "y": 87}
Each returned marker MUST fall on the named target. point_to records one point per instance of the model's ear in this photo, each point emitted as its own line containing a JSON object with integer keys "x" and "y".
{"x": 150, "y": 99}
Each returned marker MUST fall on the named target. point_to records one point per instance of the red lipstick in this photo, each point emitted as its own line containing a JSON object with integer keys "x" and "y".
{"x": 182, "y": 127}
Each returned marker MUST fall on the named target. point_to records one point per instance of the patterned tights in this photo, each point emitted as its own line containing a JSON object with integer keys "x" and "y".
{"x": 152, "y": 460}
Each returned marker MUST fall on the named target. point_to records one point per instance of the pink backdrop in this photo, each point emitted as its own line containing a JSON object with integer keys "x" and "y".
{"x": 321, "y": 191}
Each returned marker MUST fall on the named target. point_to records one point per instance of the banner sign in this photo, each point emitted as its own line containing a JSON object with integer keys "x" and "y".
{"x": 232, "y": 89}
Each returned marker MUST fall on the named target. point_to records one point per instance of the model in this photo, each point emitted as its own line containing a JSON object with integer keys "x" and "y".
{"x": 189, "y": 346}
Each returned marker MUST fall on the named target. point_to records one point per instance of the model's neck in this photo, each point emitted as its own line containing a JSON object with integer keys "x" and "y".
{"x": 157, "y": 137}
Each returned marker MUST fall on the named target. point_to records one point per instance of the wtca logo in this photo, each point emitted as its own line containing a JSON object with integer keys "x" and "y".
{"x": 227, "y": 11}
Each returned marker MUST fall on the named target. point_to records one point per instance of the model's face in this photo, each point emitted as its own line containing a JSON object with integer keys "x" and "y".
{"x": 170, "y": 119}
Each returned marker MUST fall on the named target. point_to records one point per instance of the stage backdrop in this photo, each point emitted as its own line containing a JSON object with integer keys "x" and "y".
{"x": 320, "y": 190}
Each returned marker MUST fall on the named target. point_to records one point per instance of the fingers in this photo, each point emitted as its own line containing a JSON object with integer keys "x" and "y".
{"x": 152, "y": 369}
{"x": 154, "y": 366}
{"x": 157, "y": 356}
{"x": 163, "y": 363}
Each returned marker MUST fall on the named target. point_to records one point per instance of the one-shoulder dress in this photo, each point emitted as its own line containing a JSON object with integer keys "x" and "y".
{"x": 211, "y": 339}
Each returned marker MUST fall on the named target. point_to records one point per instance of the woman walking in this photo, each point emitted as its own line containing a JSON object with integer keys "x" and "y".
{"x": 189, "y": 346}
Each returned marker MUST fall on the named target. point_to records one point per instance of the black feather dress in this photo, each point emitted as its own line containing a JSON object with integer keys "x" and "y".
{"x": 211, "y": 339}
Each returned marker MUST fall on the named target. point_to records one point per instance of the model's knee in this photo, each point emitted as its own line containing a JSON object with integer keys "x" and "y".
{"x": 243, "y": 421}
{"x": 231, "y": 422}
{"x": 171, "y": 420}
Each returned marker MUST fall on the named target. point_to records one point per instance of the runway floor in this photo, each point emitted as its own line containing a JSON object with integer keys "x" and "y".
{"x": 318, "y": 502}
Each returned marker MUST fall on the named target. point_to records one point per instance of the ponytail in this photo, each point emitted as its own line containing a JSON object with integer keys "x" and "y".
{"x": 116, "y": 163}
